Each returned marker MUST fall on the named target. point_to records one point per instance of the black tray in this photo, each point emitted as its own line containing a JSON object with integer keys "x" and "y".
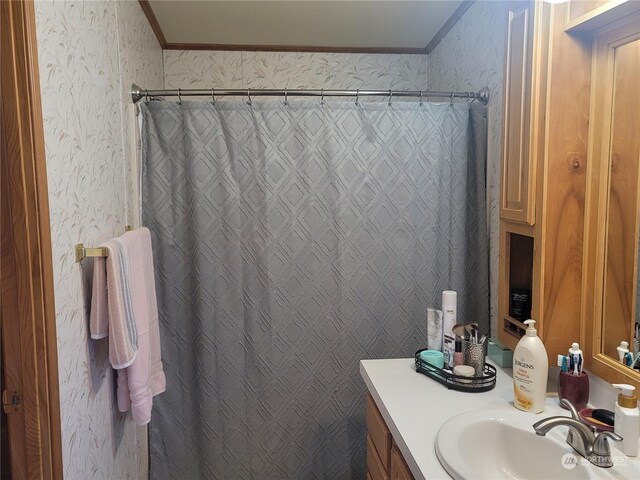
{"x": 483, "y": 383}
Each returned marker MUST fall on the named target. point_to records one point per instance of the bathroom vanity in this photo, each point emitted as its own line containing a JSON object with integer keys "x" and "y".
{"x": 384, "y": 459}
{"x": 409, "y": 409}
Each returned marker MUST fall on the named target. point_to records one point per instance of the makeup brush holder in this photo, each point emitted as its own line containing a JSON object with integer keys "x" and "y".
{"x": 475, "y": 355}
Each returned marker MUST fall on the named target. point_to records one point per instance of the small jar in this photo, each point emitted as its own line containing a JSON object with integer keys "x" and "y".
{"x": 464, "y": 371}
{"x": 458, "y": 357}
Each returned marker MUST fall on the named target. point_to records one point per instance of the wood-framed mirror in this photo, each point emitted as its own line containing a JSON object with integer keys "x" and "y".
{"x": 611, "y": 293}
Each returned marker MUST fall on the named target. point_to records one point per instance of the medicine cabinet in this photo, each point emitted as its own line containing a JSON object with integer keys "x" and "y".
{"x": 547, "y": 82}
{"x": 611, "y": 303}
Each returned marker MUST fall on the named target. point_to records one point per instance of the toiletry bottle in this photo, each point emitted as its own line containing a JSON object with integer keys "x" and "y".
{"x": 530, "y": 371}
{"x": 575, "y": 359}
{"x": 449, "y": 314}
{"x": 627, "y": 419}
{"x": 458, "y": 357}
{"x": 622, "y": 349}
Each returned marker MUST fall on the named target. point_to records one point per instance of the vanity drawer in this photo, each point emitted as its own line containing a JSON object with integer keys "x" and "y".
{"x": 375, "y": 469}
{"x": 379, "y": 433}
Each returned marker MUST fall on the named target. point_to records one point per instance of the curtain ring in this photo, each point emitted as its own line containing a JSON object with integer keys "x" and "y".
{"x": 213, "y": 96}
{"x": 179, "y": 97}
{"x": 146, "y": 96}
{"x": 249, "y": 96}
{"x": 390, "y": 95}
{"x": 451, "y": 99}
{"x": 322, "y": 96}
{"x": 286, "y": 99}
{"x": 420, "y": 97}
{"x": 468, "y": 96}
{"x": 357, "y": 96}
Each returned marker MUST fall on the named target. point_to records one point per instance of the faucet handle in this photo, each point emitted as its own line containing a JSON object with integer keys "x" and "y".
{"x": 600, "y": 444}
{"x": 569, "y": 406}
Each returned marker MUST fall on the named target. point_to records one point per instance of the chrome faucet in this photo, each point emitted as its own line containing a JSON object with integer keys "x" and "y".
{"x": 582, "y": 438}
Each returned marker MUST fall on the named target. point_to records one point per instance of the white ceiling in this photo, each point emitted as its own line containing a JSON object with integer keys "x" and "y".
{"x": 334, "y": 24}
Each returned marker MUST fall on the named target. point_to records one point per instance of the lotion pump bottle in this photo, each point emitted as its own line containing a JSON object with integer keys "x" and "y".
{"x": 530, "y": 371}
{"x": 627, "y": 419}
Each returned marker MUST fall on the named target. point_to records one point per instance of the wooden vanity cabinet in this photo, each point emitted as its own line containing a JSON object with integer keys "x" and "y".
{"x": 384, "y": 460}
{"x": 547, "y": 82}
{"x": 399, "y": 468}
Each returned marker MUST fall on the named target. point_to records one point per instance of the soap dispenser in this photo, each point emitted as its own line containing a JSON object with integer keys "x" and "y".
{"x": 530, "y": 371}
{"x": 627, "y": 419}
{"x": 573, "y": 383}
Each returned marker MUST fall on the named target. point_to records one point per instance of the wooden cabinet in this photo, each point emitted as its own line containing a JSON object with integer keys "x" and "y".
{"x": 591, "y": 15}
{"x": 518, "y": 179}
{"x": 547, "y": 82}
{"x": 399, "y": 468}
{"x": 581, "y": 8}
{"x": 375, "y": 469}
{"x": 384, "y": 460}
{"x": 378, "y": 443}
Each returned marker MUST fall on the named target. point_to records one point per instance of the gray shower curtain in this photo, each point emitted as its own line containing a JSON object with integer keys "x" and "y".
{"x": 291, "y": 242}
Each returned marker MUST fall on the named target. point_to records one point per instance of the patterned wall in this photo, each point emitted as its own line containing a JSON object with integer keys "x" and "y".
{"x": 471, "y": 57}
{"x": 89, "y": 53}
{"x": 193, "y": 69}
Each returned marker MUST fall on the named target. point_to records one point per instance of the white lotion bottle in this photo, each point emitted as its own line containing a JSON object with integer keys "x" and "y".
{"x": 530, "y": 371}
{"x": 627, "y": 419}
{"x": 449, "y": 318}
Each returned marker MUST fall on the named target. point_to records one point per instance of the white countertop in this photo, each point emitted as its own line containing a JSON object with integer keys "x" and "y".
{"x": 415, "y": 407}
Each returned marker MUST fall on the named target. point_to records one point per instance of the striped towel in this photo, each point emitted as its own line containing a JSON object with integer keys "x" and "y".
{"x": 112, "y": 305}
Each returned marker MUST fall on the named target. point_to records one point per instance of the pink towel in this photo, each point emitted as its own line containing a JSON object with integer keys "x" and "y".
{"x": 135, "y": 294}
{"x": 99, "y": 318}
{"x": 111, "y": 310}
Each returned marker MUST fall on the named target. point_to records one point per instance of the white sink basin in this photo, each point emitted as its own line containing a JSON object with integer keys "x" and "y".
{"x": 501, "y": 444}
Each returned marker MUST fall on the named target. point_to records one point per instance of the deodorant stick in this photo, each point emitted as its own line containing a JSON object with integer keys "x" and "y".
{"x": 449, "y": 317}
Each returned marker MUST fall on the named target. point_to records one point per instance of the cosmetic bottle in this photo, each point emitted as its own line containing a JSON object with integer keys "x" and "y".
{"x": 458, "y": 356}
{"x": 449, "y": 315}
{"x": 627, "y": 419}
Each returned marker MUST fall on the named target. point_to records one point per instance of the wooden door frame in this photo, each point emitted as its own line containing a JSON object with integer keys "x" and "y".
{"x": 27, "y": 293}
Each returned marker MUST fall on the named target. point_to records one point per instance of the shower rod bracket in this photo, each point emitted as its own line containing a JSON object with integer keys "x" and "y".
{"x": 138, "y": 93}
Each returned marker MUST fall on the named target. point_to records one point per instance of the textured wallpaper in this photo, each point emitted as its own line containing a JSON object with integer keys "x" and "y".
{"x": 89, "y": 53}
{"x": 193, "y": 69}
{"x": 471, "y": 57}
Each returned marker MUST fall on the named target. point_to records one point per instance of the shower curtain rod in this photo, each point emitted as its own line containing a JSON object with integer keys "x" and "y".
{"x": 138, "y": 93}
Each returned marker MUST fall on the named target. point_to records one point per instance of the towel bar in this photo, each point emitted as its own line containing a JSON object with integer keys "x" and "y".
{"x": 83, "y": 252}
